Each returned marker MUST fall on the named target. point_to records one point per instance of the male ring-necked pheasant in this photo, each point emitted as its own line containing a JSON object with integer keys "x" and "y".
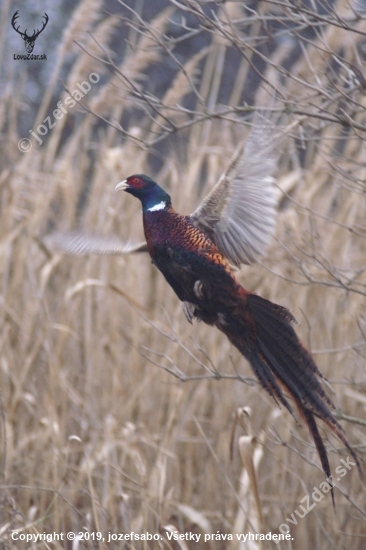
{"x": 195, "y": 253}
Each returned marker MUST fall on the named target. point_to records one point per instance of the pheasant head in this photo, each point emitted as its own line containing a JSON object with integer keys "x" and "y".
{"x": 151, "y": 195}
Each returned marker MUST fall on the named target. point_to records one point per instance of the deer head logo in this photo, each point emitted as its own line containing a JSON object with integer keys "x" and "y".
{"x": 28, "y": 40}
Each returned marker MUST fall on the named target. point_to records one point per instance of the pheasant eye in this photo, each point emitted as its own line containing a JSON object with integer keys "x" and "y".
{"x": 136, "y": 182}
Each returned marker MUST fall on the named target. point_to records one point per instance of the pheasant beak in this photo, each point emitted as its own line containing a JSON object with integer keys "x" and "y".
{"x": 122, "y": 185}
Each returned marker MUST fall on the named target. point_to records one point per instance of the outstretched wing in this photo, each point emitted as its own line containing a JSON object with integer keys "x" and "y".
{"x": 239, "y": 213}
{"x": 81, "y": 244}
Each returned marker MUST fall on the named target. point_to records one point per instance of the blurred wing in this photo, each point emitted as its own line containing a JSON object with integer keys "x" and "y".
{"x": 239, "y": 213}
{"x": 81, "y": 244}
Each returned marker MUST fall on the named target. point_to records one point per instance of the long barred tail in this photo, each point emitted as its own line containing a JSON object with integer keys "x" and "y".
{"x": 263, "y": 333}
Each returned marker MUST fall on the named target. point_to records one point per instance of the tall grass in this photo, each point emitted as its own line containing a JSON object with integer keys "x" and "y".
{"x": 99, "y": 432}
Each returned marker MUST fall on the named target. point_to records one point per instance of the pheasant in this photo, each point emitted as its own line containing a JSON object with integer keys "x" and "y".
{"x": 196, "y": 255}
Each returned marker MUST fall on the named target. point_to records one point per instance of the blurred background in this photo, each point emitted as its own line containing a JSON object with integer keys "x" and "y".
{"x": 115, "y": 413}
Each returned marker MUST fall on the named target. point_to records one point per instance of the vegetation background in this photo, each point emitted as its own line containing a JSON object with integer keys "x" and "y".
{"x": 98, "y": 430}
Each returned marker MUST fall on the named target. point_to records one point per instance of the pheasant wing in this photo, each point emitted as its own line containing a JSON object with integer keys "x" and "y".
{"x": 239, "y": 213}
{"x": 81, "y": 244}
